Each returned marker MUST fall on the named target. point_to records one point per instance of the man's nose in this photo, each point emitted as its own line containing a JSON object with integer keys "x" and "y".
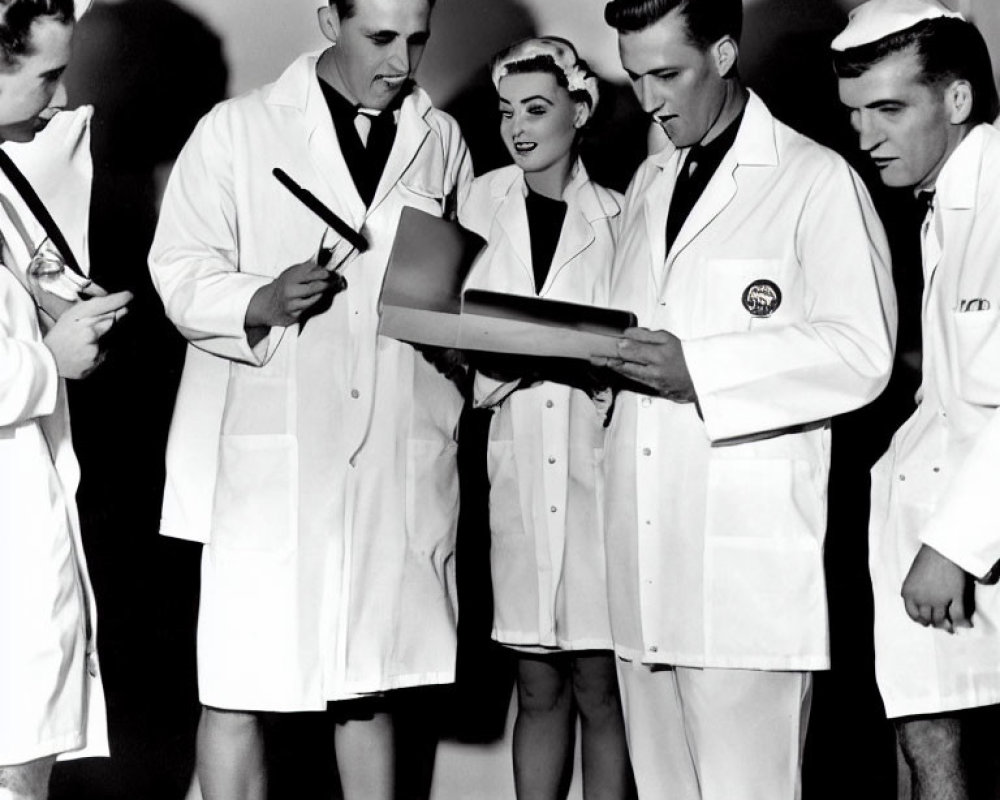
{"x": 870, "y": 134}
{"x": 59, "y": 97}
{"x": 649, "y": 99}
{"x": 399, "y": 58}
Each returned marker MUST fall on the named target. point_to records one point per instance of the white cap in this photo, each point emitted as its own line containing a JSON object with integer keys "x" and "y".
{"x": 877, "y": 19}
{"x": 560, "y": 52}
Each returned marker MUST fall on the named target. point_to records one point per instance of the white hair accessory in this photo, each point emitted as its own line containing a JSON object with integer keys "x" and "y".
{"x": 561, "y": 53}
{"x": 877, "y": 19}
{"x": 81, "y": 7}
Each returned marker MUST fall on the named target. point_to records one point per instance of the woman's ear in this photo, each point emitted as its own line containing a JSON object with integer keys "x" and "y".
{"x": 959, "y": 99}
{"x": 582, "y": 115}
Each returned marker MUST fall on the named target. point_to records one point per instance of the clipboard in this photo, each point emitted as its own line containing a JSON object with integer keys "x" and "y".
{"x": 422, "y": 302}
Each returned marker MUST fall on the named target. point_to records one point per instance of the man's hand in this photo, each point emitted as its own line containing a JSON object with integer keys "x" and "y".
{"x": 934, "y": 591}
{"x": 288, "y": 297}
{"x": 653, "y": 359}
{"x": 75, "y": 336}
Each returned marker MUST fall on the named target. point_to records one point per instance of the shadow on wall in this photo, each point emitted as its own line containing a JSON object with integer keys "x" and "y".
{"x": 151, "y": 70}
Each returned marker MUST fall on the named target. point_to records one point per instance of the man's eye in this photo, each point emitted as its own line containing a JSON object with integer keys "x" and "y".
{"x": 381, "y": 41}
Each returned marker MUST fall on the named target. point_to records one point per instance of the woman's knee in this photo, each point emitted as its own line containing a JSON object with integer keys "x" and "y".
{"x": 216, "y": 723}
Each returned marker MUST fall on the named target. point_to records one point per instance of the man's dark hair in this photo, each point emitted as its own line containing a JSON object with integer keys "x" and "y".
{"x": 16, "y": 20}
{"x": 948, "y": 50}
{"x": 707, "y": 21}
{"x": 345, "y": 8}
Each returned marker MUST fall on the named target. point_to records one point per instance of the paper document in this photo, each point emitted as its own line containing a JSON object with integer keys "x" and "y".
{"x": 422, "y": 301}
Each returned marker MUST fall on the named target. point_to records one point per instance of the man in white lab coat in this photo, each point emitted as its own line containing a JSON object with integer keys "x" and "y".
{"x": 315, "y": 458}
{"x": 51, "y": 699}
{"x": 919, "y": 85}
{"x": 759, "y": 272}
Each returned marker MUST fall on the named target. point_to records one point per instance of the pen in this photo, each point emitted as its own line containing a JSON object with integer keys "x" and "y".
{"x": 313, "y": 203}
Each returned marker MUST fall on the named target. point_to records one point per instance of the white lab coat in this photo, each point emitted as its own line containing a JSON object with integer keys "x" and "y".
{"x": 546, "y": 442}
{"x": 320, "y": 465}
{"x": 716, "y": 520}
{"x": 51, "y": 699}
{"x": 939, "y": 483}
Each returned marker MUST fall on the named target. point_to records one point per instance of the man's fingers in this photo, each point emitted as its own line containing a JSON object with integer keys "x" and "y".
{"x": 95, "y": 290}
{"x": 939, "y": 617}
{"x": 637, "y": 352}
{"x": 912, "y": 609}
{"x": 957, "y": 614}
{"x": 101, "y": 325}
{"x": 645, "y": 335}
{"x": 97, "y": 306}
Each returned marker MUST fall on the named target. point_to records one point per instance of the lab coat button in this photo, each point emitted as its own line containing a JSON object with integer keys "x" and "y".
{"x": 645, "y": 402}
{"x": 553, "y": 509}
{"x": 552, "y": 459}
{"x": 355, "y": 394}
{"x": 549, "y": 404}
{"x": 902, "y": 477}
{"x": 646, "y": 451}
{"x": 654, "y": 649}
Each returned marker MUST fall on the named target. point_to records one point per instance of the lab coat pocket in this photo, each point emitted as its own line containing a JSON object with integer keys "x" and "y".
{"x": 738, "y": 293}
{"x": 423, "y": 189}
{"x": 977, "y": 343}
{"x": 431, "y": 496}
{"x": 506, "y": 517}
{"x": 256, "y": 495}
{"x": 764, "y": 498}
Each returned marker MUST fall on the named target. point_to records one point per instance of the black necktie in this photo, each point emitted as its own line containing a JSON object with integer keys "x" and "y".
{"x": 685, "y": 195}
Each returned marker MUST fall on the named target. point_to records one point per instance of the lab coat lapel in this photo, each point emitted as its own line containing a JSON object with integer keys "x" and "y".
{"x": 957, "y": 187}
{"x": 512, "y": 217}
{"x": 411, "y": 131}
{"x": 754, "y": 146}
{"x": 656, "y": 205}
{"x": 333, "y": 184}
{"x": 582, "y": 208}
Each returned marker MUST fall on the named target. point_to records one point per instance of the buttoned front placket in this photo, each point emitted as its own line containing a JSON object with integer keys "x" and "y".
{"x": 550, "y": 549}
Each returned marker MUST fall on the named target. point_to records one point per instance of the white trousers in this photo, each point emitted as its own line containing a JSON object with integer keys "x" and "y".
{"x": 715, "y": 734}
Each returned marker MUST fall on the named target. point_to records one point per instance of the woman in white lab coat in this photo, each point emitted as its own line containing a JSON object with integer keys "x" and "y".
{"x": 51, "y": 701}
{"x": 550, "y": 232}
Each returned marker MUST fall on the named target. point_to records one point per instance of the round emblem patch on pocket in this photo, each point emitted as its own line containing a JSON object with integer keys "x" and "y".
{"x": 762, "y": 298}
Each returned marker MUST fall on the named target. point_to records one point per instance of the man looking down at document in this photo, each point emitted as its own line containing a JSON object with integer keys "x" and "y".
{"x": 759, "y": 272}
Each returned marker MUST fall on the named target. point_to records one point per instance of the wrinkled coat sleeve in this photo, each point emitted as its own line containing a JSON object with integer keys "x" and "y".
{"x": 29, "y": 382}
{"x": 838, "y": 357}
{"x": 194, "y": 260}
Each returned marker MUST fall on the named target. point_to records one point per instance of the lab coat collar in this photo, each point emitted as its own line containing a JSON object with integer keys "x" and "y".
{"x": 298, "y": 88}
{"x": 584, "y": 206}
{"x": 958, "y": 184}
{"x": 755, "y": 146}
{"x": 755, "y": 143}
